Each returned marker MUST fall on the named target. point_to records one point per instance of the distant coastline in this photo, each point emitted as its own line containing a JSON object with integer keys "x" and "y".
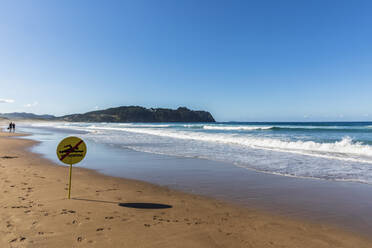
{"x": 124, "y": 114}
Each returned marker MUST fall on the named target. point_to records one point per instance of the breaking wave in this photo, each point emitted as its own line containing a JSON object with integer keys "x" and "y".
{"x": 309, "y": 151}
{"x": 210, "y": 127}
{"x": 344, "y": 149}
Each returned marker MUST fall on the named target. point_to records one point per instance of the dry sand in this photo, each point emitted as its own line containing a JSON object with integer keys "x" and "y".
{"x": 34, "y": 212}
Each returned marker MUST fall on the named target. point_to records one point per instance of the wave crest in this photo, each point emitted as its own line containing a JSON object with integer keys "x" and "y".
{"x": 210, "y": 127}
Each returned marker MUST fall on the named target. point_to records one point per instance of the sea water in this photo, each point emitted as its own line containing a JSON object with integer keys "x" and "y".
{"x": 323, "y": 150}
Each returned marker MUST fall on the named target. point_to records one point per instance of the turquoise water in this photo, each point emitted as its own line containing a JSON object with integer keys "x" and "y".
{"x": 325, "y": 150}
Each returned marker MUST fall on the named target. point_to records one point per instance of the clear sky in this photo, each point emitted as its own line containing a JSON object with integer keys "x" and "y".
{"x": 241, "y": 60}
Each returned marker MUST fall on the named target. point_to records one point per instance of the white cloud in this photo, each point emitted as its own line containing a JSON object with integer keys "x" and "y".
{"x": 29, "y": 105}
{"x": 6, "y": 100}
{"x": 96, "y": 108}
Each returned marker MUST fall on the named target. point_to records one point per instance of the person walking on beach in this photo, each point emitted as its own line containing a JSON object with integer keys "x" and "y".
{"x": 13, "y": 126}
{"x": 10, "y": 127}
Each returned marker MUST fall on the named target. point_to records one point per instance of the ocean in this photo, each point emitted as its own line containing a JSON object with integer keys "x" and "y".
{"x": 339, "y": 151}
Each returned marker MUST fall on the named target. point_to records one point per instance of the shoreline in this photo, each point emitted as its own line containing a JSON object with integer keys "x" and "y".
{"x": 344, "y": 205}
{"x": 192, "y": 221}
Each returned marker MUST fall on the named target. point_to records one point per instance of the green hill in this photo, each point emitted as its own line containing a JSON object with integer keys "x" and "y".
{"x": 141, "y": 114}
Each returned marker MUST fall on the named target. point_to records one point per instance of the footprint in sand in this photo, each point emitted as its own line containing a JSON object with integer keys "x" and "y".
{"x": 21, "y": 239}
{"x": 13, "y": 240}
{"x": 8, "y": 224}
{"x": 19, "y": 207}
{"x": 45, "y": 233}
{"x": 65, "y": 211}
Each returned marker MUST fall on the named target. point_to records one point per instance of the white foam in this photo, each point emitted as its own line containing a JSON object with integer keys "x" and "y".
{"x": 342, "y": 149}
{"x": 268, "y": 152}
{"x": 143, "y": 125}
{"x": 193, "y": 126}
{"x": 211, "y": 127}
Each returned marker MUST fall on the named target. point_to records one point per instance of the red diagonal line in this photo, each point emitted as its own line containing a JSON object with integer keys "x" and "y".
{"x": 71, "y": 150}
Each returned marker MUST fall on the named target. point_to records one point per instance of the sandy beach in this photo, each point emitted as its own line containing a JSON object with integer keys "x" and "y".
{"x": 115, "y": 212}
{"x": 192, "y": 124}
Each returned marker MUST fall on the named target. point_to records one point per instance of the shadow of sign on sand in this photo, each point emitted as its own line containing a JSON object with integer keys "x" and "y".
{"x": 144, "y": 205}
{"x": 8, "y": 157}
{"x": 138, "y": 205}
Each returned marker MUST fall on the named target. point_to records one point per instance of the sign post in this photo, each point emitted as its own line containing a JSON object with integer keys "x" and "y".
{"x": 69, "y": 181}
{"x": 71, "y": 150}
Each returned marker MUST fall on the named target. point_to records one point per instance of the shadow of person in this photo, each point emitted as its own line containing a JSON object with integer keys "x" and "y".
{"x": 138, "y": 205}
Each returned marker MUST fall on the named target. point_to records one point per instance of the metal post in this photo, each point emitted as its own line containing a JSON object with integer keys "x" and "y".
{"x": 69, "y": 182}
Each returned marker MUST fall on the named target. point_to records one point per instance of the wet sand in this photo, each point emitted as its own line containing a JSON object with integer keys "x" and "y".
{"x": 114, "y": 212}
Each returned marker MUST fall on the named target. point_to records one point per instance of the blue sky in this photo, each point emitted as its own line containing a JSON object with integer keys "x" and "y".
{"x": 241, "y": 60}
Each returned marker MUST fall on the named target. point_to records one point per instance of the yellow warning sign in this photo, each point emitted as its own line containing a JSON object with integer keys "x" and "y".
{"x": 71, "y": 150}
